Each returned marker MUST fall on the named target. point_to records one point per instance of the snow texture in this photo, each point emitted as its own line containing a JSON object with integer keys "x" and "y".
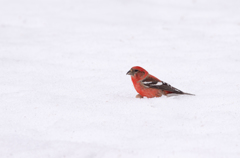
{"x": 64, "y": 92}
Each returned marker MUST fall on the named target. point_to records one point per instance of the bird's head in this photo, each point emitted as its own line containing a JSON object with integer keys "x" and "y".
{"x": 137, "y": 72}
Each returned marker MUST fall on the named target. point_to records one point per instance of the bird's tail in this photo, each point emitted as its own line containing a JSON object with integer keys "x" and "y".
{"x": 176, "y": 94}
{"x": 188, "y": 93}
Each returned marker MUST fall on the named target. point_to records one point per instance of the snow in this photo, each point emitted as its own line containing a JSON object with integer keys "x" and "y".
{"x": 64, "y": 91}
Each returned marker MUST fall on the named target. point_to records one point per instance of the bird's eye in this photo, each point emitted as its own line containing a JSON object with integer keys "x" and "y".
{"x": 135, "y": 70}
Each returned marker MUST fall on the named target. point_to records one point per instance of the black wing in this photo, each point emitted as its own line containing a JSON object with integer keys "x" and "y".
{"x": 152, "y": 82}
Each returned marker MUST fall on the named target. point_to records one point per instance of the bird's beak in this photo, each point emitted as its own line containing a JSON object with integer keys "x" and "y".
{"x": 130, "y": 72}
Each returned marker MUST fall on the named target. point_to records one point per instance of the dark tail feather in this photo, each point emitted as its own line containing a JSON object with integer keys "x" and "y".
{"x": 178, "y": 93}
{"x": 181, "y": 92}
{"x": 188, "y": 94}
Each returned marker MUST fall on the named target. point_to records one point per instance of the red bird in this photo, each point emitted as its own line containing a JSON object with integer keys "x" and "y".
{"x": 149, "y": 86}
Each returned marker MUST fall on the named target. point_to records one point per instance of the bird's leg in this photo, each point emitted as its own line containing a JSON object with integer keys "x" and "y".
{"x": 139, "y": 96}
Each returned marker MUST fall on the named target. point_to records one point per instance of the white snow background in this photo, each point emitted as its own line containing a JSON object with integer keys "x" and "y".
{"x": 64, "y": 92}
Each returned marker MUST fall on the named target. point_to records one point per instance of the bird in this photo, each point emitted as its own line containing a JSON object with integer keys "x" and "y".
{"x": 150, "y": 86}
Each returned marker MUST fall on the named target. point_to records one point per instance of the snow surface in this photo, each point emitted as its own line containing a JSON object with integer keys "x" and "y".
{"x": 64, "y": 92}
